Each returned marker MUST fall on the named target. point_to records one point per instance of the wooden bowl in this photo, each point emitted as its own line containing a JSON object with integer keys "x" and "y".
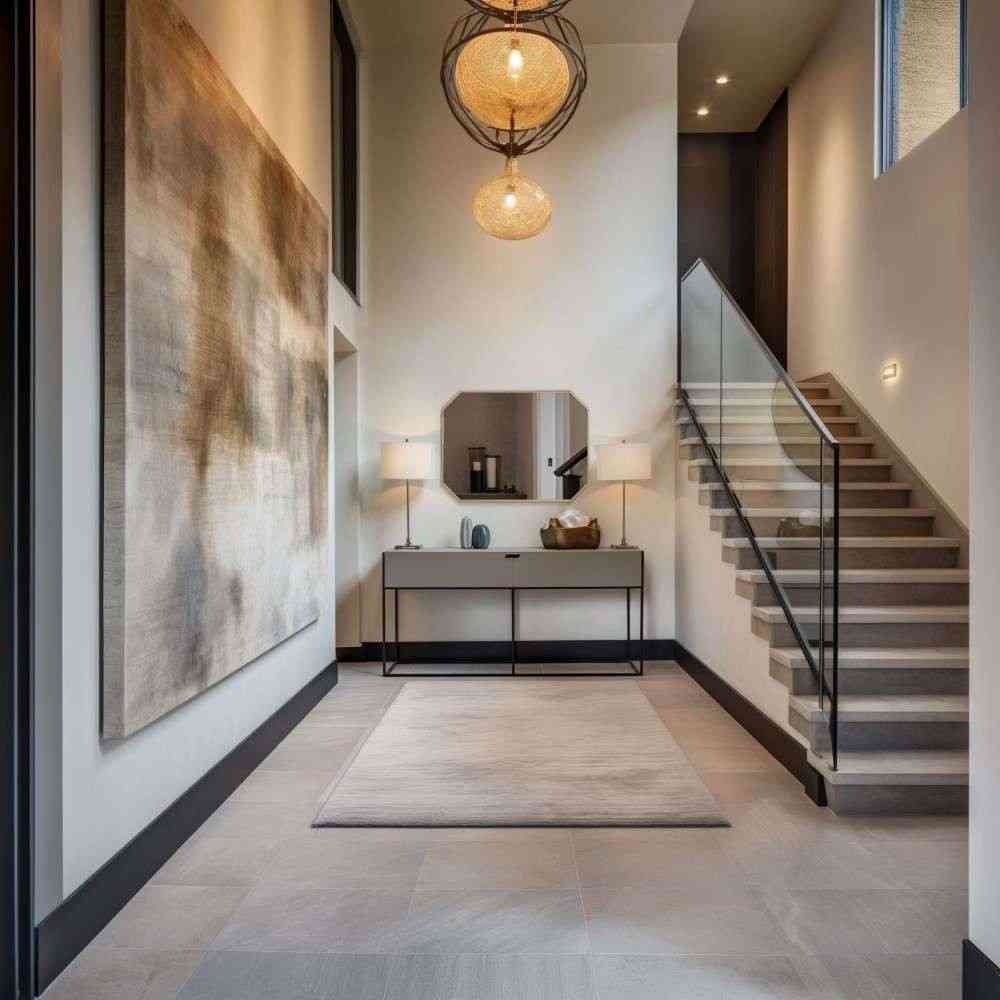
{"x": 555, "y": 536}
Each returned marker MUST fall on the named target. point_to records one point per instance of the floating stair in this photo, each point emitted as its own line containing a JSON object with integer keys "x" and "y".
{"x": 903, "y": 665}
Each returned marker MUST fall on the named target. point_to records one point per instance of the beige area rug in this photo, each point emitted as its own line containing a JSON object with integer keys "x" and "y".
{"x": 520, "y": 753}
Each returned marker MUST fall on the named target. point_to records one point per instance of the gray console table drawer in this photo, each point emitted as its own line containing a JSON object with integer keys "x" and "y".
{"x": 597, "y": 568}
{"x": 460, "y": 569}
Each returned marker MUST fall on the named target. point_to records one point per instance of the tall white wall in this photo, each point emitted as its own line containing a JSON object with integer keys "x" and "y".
{"x": 277, "y": 54}
{"x": 878, "y": 267}
{"x": 984, "y": 158}
{"x": 589, "y": 306}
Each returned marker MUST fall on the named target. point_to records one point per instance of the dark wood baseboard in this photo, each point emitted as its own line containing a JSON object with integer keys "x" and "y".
{"x": 779, "y": 744}
{"x": 980, "y": 974}
{"x": 584, "y": 651}
{"x": 65, "y": 932}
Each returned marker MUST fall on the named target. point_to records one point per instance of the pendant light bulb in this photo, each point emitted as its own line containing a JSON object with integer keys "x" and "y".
{"x": 510, "y": 199}
{"x": 515, "y": 60}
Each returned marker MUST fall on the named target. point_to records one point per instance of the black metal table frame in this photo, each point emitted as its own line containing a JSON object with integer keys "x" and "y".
{"x": 389, "y": 668}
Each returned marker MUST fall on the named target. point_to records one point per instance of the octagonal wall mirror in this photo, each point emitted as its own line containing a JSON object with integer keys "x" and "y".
{"x": 527, "y": 446}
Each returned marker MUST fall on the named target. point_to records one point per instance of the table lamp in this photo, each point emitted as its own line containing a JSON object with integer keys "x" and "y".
{"x": 407, "y": 460}
{"x": 627, "y": 463}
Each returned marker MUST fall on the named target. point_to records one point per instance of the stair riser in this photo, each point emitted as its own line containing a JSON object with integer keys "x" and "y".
{"x": 862, "y": 595}
{"x": 898, "y": 800}
{"x": 806, "y": 497}
{"x": 913, "y": 635}
{"x": 884, "y": 735}
{"x": 792, "y": 474}
{"x": 766, "y": 429}
{"x": 762, "y": 410}
{"x": 849, "y": 558}
{"x": 850, "y": 527}
{"x": 877, "y": 681}
{"x": 770, "y": 452}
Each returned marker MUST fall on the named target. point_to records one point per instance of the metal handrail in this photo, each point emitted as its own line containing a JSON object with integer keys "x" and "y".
{"x": 779, "y": 369}
{"x": 826, "y": 690}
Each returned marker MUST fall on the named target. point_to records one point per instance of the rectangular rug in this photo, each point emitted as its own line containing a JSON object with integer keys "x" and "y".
{"x": 520, "y": 753}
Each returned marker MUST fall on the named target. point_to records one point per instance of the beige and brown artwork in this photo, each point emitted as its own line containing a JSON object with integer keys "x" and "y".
{"x": 215, "y": 380}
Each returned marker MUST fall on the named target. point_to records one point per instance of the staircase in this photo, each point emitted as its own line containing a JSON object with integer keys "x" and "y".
{"x": 903, "y": 656}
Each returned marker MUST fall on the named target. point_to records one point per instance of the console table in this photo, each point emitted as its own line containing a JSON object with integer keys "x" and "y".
{"x": 512, "y": 570}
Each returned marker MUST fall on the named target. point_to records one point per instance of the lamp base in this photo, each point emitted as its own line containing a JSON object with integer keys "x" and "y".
{"x": 625, "y": 546}
{"x": 408, "y": 548}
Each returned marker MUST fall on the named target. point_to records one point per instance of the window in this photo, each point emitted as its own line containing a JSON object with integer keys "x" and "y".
{"x": 344, "y": 140}
{"x": 923, "y": 71}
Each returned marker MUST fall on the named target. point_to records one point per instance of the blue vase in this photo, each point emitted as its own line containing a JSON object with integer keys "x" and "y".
{"x": 480, "y": 537}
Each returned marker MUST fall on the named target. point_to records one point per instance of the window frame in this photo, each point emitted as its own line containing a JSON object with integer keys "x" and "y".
{"x": 886, "y": 153}
{"x": 344, "y": 118}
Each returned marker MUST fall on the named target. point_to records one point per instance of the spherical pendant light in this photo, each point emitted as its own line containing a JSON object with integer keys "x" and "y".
{"x": 512, "y": 207}
{"x": 512, "y": 79}
{"x": 513, "y": 86}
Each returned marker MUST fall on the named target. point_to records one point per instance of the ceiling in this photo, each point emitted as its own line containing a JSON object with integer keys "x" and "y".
{"x": 760, "y": 44}
{"x": 390, "y": 22}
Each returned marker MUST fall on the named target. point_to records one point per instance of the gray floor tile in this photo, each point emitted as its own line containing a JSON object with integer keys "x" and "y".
{"x": 263, "y": 822}
{"x": 670, "y": 921}
{"x": 644, "y": 857}
{"x": 124, "y": 974}
{"x": 733, "y": 760}
{"x": 900, "y": 922}
{"x": 532, "y": 922}
{"x": 644, "y": 977}
{"x": 752, "y": 786}
{"x": 172, "y": 917}
{"x": 723, "y": 733}
{"x": 252, "y": 976}
{"x": 280, "y": 916}
{"x": 218, "y": 861}
{"x": 350, "y": 857}
{"x": 315, "y": 744}
{"x": 522, "y": 860}
{"x": 281, "y": 787}
{"x": 491, "y": 977}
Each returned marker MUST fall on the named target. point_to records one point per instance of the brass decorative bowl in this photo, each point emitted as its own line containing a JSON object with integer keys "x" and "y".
{"x": 555, "y": 536}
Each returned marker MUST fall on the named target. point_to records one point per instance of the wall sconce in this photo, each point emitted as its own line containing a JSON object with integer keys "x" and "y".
{"x": 890, "y": 371}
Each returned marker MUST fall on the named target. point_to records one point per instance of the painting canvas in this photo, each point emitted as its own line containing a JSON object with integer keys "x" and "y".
{"x": 215, "y": 376}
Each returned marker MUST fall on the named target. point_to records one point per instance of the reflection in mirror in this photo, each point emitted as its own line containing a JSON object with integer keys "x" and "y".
{"x": 514, "y": 446}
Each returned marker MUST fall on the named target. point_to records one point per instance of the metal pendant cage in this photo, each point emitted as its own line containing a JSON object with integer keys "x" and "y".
{"x": 514, "y": 142}
{"x": 521, "y": 10}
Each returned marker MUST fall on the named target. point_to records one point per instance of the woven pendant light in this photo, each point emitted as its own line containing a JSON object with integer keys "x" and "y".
{"x": 512, "y": 207}
{"x": 516, "y": 79}
{"x": 526, "y": 10}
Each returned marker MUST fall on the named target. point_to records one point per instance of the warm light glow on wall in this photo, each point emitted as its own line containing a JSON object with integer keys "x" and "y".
{"x": 890, "y": 371}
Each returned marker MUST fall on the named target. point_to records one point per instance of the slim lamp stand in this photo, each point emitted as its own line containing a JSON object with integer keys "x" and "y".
{"x": 624, "y": 542}
{"x": 409, "y": 546}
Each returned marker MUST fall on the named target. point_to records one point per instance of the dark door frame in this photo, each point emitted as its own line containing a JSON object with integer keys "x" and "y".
{"x": 16, "y": 372}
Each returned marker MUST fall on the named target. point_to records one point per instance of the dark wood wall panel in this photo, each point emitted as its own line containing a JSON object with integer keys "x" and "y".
{"x": 733, "y": 212}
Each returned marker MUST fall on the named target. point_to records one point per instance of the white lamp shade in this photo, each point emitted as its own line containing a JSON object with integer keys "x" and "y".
{"x": 624, "y": 461}
{"x": 407, "y": 460}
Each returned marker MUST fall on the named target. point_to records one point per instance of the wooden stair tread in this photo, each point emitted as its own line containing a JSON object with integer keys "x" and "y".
{"x": 768, "y": 421}
{"x": 809, "y": 576}
{"x": 814, "y": 512}
{"x": 779, "y": 485}
{"x": 866, "y": 542}
{"x": 761, "y": 386}
{"x": 886, "y": 708}
{"x": 895, "y": 767}
{"x": 812, "y": 439}
{"x": 785, "y": 401}
{"x": 943, "y": 657}
{"x": 905, "y": 614}
{"x": 805, "y": 463}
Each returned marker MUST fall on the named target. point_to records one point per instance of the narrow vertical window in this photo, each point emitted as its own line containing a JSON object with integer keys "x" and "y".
{"x": 923, "y": 71}
{"x": 344, "y": 148}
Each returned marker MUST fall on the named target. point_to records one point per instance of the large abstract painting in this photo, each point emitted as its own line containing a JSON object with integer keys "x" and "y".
{"x": 215, "y": 376}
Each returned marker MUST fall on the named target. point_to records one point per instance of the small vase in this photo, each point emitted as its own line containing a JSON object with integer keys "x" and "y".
{"x": 480, "y": 537}
{"x": 465, "y": 533}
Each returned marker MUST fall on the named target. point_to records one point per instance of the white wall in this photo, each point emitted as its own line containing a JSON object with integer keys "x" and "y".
{"x": 878, "y": 268}
{"x": 590, "y": 306}
{"x": 277, "y": 55}
{"x": 984, "y": 874}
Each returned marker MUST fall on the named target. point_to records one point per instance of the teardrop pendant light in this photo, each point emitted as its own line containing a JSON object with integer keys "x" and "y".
{"x": 512, "y": 207}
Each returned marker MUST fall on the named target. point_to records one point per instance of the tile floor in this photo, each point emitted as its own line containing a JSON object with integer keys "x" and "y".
{"x": 791, "y": 902}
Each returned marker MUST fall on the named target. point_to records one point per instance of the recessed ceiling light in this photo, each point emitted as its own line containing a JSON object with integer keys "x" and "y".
{"x": 702, "y": 112}
{"x": 722, "y": 80}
